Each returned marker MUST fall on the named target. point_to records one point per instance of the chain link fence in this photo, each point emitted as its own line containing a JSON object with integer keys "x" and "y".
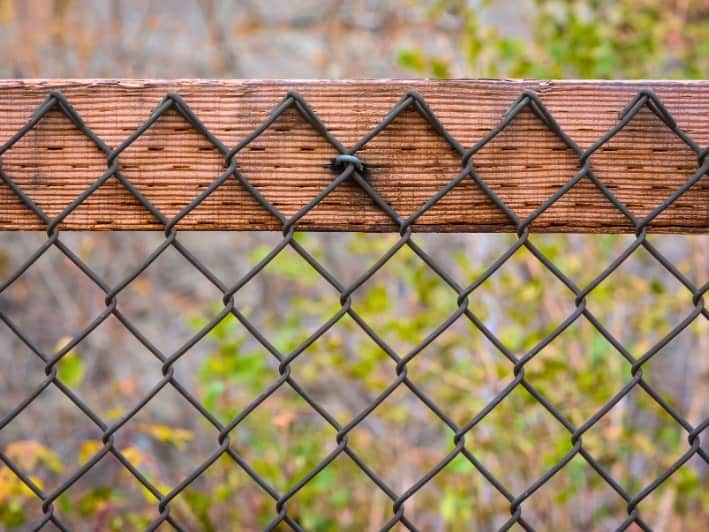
{"x": 348, "y": 166}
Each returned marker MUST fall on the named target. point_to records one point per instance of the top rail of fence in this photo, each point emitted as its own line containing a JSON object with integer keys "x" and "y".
{"x": 379, "y": 155}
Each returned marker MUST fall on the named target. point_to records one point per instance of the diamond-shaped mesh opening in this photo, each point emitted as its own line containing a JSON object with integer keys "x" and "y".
{"x": 344, "y": 371}
{"x": 679, "y": 369}
{"x": 342, "y": 487}
{"x": 461, "y": 371}
{"x": 283, "y": 439}
{"x": 108, "y": 493}
{"x": 65, "y": 308}
{"x": 458, "y": 496}
{"x": 31, "y": 439}
{"x": 288, "y": 300}
{"x": 227, "y": 369}
{"x": 165, "y": 431}
{"x": 66, "y": 168}
{"x": 347, "y": 256}
{"x": 223, "y": 493}
{"x": 465, "y": 256}
{"x": 656, "y": 302}
{"x": 248, "y": 247}
{"x": 404, "y": 300}
{"x": 522, "y": 302}
{"x": 182, "y": 150}
{"x": 578, "y": 372}
{"x": 88, "y": 369}
{"x": 636, "y": 441}
{"x": 159, "y": 301}
{"x": 401, "y": 439}
{"x": 518, "y": 430}
{"x": 660, "y": 150}
{"x": 562, "y": 503}
{"x": 679, "y": 503}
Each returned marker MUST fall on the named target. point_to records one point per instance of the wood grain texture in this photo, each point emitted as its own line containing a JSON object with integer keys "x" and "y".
{"x": 408, "y": 162}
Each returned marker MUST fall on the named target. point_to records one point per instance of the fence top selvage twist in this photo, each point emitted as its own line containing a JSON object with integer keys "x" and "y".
{"x": 349, "y": 167}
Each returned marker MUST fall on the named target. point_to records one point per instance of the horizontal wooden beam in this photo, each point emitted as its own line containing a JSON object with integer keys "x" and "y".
{"x": 406, "y": 164}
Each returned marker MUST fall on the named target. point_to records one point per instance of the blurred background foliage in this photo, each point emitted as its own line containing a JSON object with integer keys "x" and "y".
{"x": 461, "y": 371}
{"x": 626, "y": 39}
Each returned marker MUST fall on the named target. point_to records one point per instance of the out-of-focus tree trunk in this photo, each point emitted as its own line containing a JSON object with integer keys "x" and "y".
{"x": 224, "y": 60}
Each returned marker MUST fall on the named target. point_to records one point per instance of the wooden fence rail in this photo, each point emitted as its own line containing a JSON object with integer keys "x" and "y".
{"x": 407, "y": 163}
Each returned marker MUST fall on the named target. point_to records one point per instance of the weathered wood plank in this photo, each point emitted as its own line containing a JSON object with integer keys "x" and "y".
{"x": 408, "y": 162}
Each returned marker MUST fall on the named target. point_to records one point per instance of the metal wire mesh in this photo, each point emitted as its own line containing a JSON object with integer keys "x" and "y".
{"x": 347, "y": 166}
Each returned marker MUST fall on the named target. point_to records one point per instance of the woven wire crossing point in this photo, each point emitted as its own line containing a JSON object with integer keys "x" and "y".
{"x": 350, "y": 168}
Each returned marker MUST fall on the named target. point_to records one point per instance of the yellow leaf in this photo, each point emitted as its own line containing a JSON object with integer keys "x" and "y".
{"x": 134, "y": 455}
{"x": 11, "y": 485}
{"x": 176, "y": 436}
{"x": 147, "y": 495}
{"x": 7, "y": 482}
{"x": 25, "y": 453}
{"x": 89, "y": 448}
{"x": 29, "y": 453}
{"x": 37, "y": 481}
{"x": 115, "y": 413}
{"x": 51, "y": 460}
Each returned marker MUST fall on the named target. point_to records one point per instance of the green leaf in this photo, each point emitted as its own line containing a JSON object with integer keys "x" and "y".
{"x": 512, "y": 336}
{"x": 461, "y": 465}
{"x": 71, "y": 368}
{"x": 439, "y": 68}
{"x": 376, "y": 300}
{"x": 214, "y": 390}
{"x": 656, "y": 286}
{"x": 449, "y": 506}
{"x": 90, "y": 502}
{"x": 51, "y": 460}
{"x": 324, "y": 480}
{"x": 411, "y": 59}
{"x": 12, "y": 514}
{"x": 200, "y": 503}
